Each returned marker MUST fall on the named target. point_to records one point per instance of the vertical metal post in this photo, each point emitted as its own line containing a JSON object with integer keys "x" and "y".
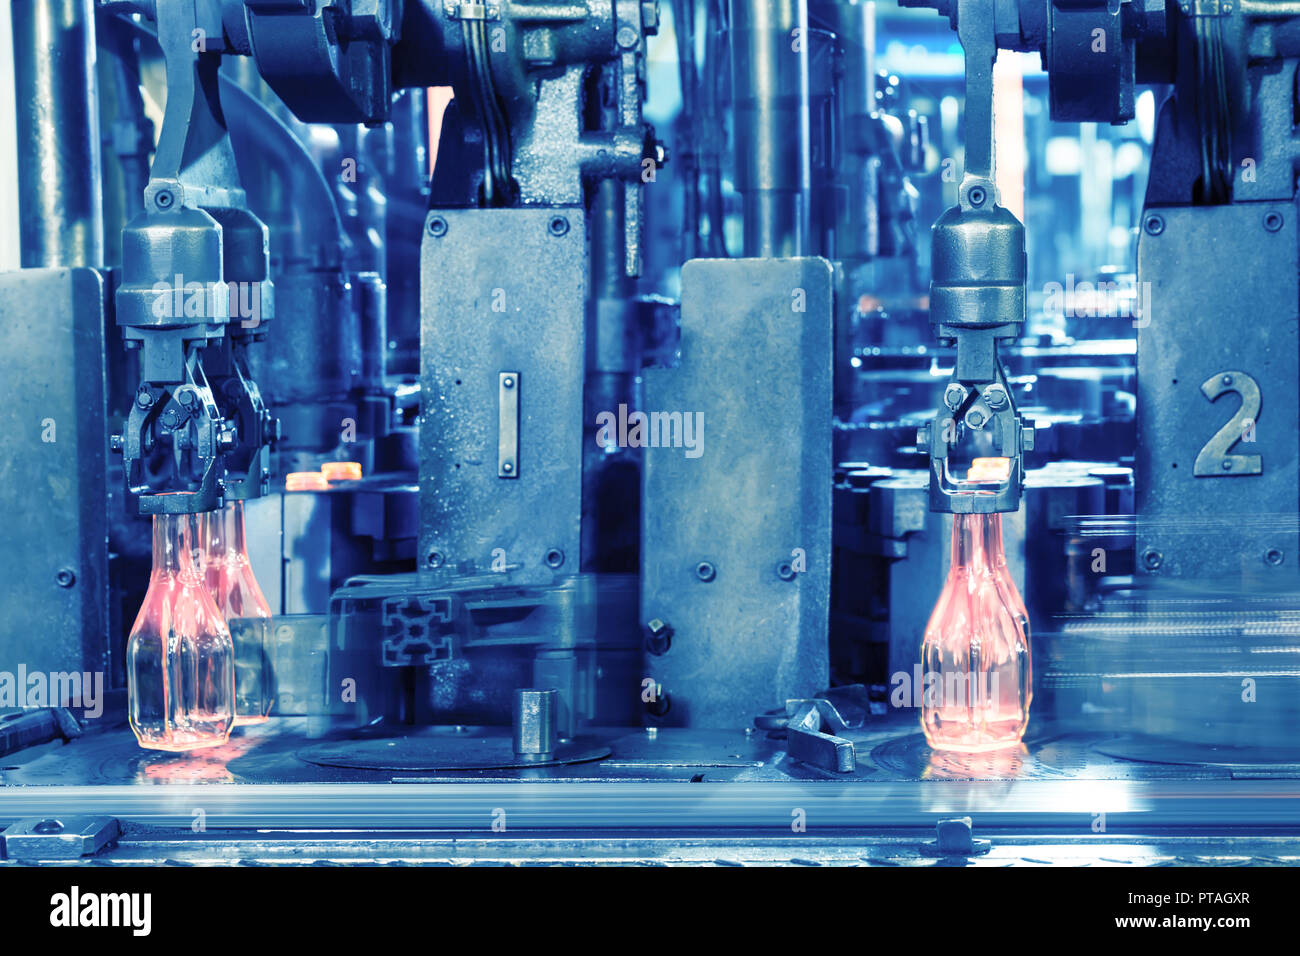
{"x": 769, "y": 56}
{"x": 59, "y": 188}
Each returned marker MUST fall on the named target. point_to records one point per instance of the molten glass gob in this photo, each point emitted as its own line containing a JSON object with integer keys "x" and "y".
{"x": 180, "y": 659}
{"x": 976, "y": 649}
{"x": 230, "y": 580}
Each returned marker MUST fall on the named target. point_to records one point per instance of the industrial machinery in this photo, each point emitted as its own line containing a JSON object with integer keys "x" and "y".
{"x": 601, "y": 415}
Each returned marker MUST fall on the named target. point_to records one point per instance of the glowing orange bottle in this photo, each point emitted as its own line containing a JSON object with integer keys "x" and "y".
{"x": 230, "y": 580}
{"x": 179, "y": 657}
{"x": 976, "y": 649}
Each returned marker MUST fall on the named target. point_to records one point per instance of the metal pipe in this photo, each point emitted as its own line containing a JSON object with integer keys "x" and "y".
{"x": 60, "y": 194}
{"x": 769, "y": 56}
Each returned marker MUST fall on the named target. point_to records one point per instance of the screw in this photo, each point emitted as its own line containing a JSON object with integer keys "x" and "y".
{"x": 660, "y": 638}
{"x": 785, "y": 572}
{"x": 437, "y": 227}
{"x": 507, "y": 467}
{"x": 558, "y": 226}
{"x": 508, "y": 382}
{"x": 164, "y": 198}
{"x": 705, "y": 571}
{"x": 1227, "y": 464}
{"x": 49, "y": 826}
{"x": 117, "y": 442}
{"x": 1155, "y": 225}
{"x": 1152, "y": 559}
{"x": 65, "y": 577}
{"x": 1273, "y": 221}
{"x": 1273, "y": 556}
{"x": 977, "y": 195}
{"x": 554, "y": 558}
{"x": 659, "y": 705}
{"x": 954, "y": 395}
{"x": 435, "y": 559}
{"x": 1227, "y": 380}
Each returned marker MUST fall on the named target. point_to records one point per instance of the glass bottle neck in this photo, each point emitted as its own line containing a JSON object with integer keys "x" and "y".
{"x": 226, "y": 533}
{"x": 171, "y": 544}
{"x": 976, "y": 541}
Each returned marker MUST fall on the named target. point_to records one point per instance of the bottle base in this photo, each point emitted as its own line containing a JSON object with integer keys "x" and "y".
{"x": 179, "y": 743}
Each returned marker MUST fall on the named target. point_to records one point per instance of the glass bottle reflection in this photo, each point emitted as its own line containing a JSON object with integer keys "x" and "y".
{"x": 230, "y": 580}
{"x": 180, "y": 659}
{"x": 975, "y": 653}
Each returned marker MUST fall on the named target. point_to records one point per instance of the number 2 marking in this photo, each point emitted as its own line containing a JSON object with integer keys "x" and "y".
{"x": 1213, "y": 461}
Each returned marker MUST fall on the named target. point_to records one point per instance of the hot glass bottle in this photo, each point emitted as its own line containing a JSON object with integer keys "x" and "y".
{"x": 975, "y": 653}
{"x": 230, "y": 581}
{"x": 180, "y": 659}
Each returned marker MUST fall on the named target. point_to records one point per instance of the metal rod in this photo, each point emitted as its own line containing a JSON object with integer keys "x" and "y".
{"x": 60, "y": 194}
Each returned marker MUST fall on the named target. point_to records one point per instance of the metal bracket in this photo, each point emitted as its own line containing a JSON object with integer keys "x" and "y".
{"x": 808, "y": 742}
{"x": 63, "y": 838}
{"x": 471, "y": 10}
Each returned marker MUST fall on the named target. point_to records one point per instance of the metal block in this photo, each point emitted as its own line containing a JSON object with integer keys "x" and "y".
{"x": 504, "y": 296}
{"x": 58, "y": 838}
{"x": 1228, "y": 324}
{"x": 54, "y": 537}
{"x": 737, "y": 540}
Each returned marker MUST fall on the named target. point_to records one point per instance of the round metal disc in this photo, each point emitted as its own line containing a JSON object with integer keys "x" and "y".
{"x": 443, "y": 748}
{"x": 1158, "y": 750}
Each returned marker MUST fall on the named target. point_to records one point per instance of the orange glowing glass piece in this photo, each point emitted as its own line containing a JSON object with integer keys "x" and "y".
{"x": 989, "y": 469}
{"x": 230, "y": 580}
{"x": 341, "y": 470}
{"x": 305, "y": 481}
{"x": 179, "y": 657}
{"x": 976, "y": 650}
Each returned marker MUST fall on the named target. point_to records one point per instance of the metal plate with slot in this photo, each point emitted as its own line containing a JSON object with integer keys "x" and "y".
{"x": 508, "y": 386}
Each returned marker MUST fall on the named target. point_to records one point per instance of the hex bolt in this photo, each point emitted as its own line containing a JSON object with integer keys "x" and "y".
{"x": 1155, "y": 225}
{"x": 437, "y": 227}
{"x": 187, "y": 398}
{"x": 1152, "y": 559}
{"x": 144, "y": 398}
{"x": 558, "y": 226}
{"x": 65, "y": 577}
{"x": 1273, "y": 221}
{"x": 1273, "y": 556}
{"x": 954, "y": 395}
{"x": 705, "y": 571}
{"x": 975, "y": 418}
